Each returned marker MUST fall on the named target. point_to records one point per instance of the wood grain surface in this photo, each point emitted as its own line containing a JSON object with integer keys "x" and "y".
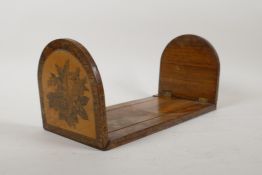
{"x": 190, "y": 69}
{"x": 72, "y": 95}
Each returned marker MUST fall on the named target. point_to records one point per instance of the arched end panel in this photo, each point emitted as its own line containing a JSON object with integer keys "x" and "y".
{"x": 71, "y": 93}
{"x": 189, "y": 69}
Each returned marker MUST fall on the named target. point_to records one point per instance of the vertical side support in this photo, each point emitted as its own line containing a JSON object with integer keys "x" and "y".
{"x": 71, "y": 93}
{"x": 190, "y": 69}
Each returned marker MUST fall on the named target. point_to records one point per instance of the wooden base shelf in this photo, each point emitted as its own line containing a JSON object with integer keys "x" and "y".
{"x": 73, "y": 101}
{"x": 136, "y": 119}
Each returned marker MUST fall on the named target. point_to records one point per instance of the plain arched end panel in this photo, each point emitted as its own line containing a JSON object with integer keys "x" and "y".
{"x": 72, "y": 96}
{"x": 189, "y": 70}
{"x": 71, "y": 93}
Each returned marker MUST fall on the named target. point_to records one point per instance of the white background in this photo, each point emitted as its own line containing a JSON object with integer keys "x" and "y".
{"x": 126, "y": 39}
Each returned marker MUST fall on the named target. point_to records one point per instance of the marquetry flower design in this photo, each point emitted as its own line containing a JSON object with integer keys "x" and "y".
{"x": 68, "y": 97}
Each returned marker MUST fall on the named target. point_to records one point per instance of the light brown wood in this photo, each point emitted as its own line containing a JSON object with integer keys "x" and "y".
{"x": 80, "y": 125}
{"x": 72, "y": 96}
{"x": 71, "y": 93}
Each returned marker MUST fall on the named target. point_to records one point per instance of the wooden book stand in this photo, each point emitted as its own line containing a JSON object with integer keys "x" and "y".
{"x": 73, "y": 100}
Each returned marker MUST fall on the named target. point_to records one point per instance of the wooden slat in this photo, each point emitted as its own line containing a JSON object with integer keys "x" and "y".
{"x": 124, "y": 123}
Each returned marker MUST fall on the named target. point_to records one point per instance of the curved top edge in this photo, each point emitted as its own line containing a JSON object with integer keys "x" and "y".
{"x": 58, "y": 43}
{"x": 186, "y": 36}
